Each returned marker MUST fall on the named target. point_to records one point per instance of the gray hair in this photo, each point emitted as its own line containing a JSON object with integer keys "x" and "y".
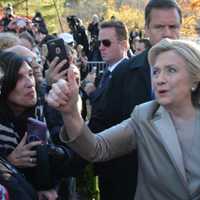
{"x": 189, "y": 51}
{"x": 8, "y": 39}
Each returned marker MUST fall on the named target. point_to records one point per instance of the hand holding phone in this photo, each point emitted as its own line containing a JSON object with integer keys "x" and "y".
{"x": 37, "y": 131}
{"x": 56, "y": 48}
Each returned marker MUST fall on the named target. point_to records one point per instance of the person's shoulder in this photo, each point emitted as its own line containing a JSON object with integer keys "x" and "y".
{"x": 144, "y": 54}
{"x": 145, "y": 111}
{"x": 6, "y": 128}
{"x": 6, "y": 123}
{"x": 139, "y": 61}
{"x": 122, "y": 67}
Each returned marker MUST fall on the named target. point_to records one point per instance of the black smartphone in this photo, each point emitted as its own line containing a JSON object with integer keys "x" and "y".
{"x": 56, "y": 48}
{"x": 37, "y": 131}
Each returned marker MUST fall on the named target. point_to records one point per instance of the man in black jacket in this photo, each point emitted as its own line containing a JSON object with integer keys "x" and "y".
{"x": 163, "y": 19}
{"x": 111, "y": 103}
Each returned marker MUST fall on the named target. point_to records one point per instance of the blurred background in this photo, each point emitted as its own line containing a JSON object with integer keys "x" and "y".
{"x": 129, "y": 11}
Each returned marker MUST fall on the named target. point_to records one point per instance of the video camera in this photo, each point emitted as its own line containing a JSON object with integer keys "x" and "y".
{"x": 78, "y": 31}
{"x": 73, "y": 21}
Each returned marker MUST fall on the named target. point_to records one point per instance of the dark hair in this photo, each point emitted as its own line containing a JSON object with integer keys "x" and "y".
{"x": 10, "y": 64}
{"x": 119, "y": 26}
{"x": 39, "y": 22}
{"x": 38, "y": 14}
{"x": 146, "y": 42}
{"x": 160, "y": 4}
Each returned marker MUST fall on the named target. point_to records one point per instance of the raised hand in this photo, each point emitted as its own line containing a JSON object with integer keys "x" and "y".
{"x": 54, "y": 73}
{"x": 64, "y": 94}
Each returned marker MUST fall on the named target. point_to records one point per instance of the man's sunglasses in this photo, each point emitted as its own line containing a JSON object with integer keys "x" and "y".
{"x": 106, "y": 43}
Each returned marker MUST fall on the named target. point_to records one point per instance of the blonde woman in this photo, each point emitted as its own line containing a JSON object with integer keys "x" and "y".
{"x": 166, "y": 132}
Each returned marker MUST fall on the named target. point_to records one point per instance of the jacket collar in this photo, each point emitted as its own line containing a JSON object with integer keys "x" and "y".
{"x": 94, "y": 96}
{"x": 112, "y": 67}
{"x": 167, "y": 134}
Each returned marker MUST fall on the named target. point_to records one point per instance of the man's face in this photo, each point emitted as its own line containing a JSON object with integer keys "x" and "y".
{"x": 139, "y": 47}
{"x": 39, "y": 36}
{"x": 164, "y": 23}
{"x": 111, "y": 48}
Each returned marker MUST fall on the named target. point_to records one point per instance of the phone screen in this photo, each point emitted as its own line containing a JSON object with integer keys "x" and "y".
{"x": 37, "y": 131}
{"x": 56, "y": 48}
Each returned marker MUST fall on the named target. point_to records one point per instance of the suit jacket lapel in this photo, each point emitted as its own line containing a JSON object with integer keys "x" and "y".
{"x": 168, "y": 136}
{"x": 99, "y": 91}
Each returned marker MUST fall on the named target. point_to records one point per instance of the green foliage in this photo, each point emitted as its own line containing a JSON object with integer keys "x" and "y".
{"x": 87, "y": 184}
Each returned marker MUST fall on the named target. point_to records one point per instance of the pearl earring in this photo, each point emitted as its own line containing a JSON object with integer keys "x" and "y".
{"x": 193, "y": 89}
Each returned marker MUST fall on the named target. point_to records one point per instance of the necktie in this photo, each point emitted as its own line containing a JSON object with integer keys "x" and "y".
{"x": 105, "y": 79}
{"x": 102, "y": 85}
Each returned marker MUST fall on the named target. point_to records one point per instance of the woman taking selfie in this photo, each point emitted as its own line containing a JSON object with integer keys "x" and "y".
{"x": 166, "y": 132}
{"x": 17, "y": 101}
{"x": 41, "y": 163}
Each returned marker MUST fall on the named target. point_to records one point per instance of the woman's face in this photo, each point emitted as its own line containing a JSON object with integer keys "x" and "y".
{"x": 24, "y": 94}
{"x": 171, "y": 81}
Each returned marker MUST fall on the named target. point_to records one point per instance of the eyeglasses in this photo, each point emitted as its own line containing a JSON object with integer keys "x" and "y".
{"x": 106, "y": 43}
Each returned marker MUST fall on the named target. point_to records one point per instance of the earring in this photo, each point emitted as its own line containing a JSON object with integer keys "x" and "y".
{"x": 193, "y": 89}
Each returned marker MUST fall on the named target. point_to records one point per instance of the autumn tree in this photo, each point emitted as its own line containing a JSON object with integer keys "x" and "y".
{"x": 131, "y": 12}
{"x": 191, "y": 15}
{"x": 132, "y": 17}
{"x": 46, "y": 7}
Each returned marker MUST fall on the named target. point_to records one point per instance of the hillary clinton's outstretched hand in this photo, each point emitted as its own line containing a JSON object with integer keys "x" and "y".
{"x": 64, "y": 96}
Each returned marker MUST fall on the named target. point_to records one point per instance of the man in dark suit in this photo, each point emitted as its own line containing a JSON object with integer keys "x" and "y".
{"x": 112, "y": 103}
{"x": 163, "y": 19}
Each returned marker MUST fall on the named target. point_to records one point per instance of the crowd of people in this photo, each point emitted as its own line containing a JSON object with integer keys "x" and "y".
{"x": 137, "y": 120}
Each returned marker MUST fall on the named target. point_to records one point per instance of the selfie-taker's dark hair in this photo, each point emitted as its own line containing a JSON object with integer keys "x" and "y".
{"x": 10, "y": 64}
